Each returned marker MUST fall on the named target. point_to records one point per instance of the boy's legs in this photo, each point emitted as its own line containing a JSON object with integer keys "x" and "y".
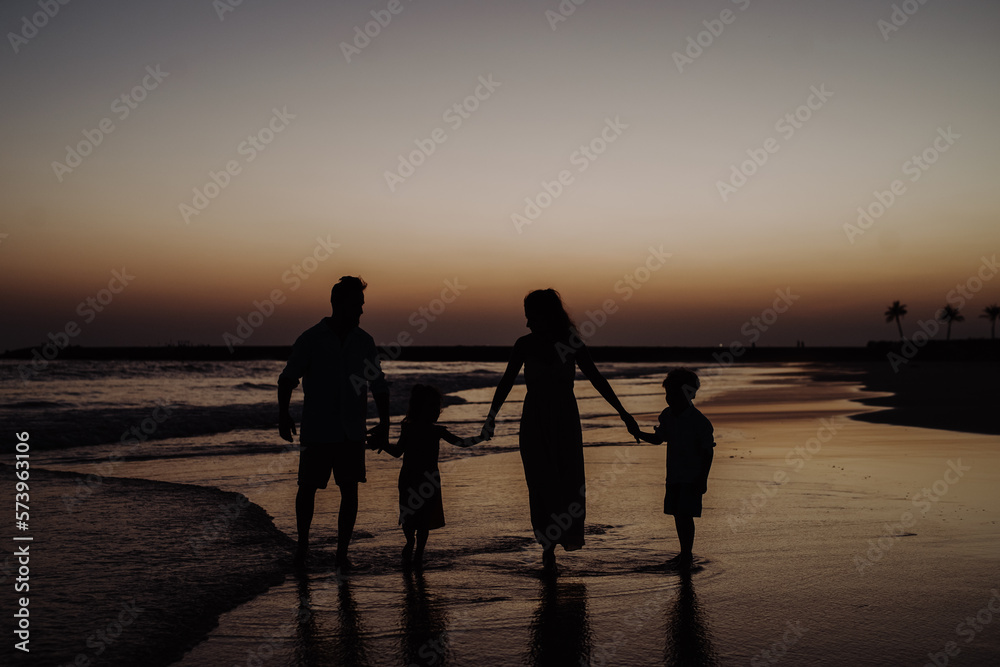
{"x": 685, "y": 534}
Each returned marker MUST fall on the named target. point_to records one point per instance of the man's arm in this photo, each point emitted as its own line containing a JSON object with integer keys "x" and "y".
{"x": 378, "y": 437}
{"x": 287, "y": 382}
{"x": 286, "y": 425}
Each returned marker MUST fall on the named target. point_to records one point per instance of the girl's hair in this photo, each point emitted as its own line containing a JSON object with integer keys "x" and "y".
{"x": 546, "y": 313}
{"x": 425, "y": 405}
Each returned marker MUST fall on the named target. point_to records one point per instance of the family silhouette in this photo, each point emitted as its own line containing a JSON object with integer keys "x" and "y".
{"x": 337, "y": 364}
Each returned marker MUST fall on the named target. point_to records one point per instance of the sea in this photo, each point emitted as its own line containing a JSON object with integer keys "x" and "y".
{"x": 139, "y": 483}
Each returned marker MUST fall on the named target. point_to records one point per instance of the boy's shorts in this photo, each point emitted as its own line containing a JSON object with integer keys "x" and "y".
{"x": 346, "y": 460}
{"x": 682, "y": 499}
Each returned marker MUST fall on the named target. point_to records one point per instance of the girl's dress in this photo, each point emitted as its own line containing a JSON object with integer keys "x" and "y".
{"x": 420, "y": 505}
{"x": 551, "y": 445}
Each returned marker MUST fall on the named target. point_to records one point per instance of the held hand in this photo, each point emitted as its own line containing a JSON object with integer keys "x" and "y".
{"x": 488, "y": 428}
{"x": 632, "y": 425}
{"x": 286, "y": 426}
{"x": 378, "y": 437}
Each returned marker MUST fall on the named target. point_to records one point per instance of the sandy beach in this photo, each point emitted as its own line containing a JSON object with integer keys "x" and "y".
{"x": 825, "y": 540}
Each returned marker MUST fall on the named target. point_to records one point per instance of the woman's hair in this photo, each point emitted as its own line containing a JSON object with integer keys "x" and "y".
{"x": 425, "y": 405}
{"x": 545, "y": 312}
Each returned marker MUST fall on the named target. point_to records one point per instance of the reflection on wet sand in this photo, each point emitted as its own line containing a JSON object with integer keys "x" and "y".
{"x": 688, "y": 638}
{"x": 316, "y": 647}
{"x": 425, "y": 619}
{"x": 560, "y": 629}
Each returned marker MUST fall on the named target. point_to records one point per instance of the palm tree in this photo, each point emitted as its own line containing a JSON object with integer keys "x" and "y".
{"x": 991, "y": 313}
{"x": 949, "y": 314}
{"x": 894, "y": 312}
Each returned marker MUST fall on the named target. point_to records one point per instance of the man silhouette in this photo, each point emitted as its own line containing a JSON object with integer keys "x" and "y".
{"x": 337, "y": 361}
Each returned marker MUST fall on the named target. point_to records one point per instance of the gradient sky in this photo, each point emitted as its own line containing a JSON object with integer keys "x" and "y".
{"x": 656, "y": 185}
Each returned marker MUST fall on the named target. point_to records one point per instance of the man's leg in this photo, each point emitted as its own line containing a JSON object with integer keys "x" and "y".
{"x": 346, "y": 519}
{"x": 305, "y": 504}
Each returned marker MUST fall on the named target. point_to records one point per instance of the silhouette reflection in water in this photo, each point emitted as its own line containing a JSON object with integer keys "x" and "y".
{"x": 317, "y": 646}
{"x": 560, "y": 629}
{"x": 688, "y": 639}
{"x": 425, "y": 638}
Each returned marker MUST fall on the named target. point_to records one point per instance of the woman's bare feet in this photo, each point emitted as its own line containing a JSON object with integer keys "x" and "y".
{"x": 549, "y": 561}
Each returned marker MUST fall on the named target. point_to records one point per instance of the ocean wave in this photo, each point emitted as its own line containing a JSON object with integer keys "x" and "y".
{"x": 151, "y": 564}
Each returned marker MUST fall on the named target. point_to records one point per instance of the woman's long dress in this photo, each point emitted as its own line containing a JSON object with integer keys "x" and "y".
{"x": 551, "y": 445}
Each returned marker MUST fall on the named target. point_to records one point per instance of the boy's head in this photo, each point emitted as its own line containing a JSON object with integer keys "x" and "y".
{"x": 681, "y": 385}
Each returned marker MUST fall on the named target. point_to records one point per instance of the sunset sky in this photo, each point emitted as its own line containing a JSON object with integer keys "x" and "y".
{"x": 310, "y": 128}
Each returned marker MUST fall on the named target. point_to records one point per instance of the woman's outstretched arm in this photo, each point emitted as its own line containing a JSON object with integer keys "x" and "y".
{"x": 602, "y": 386}
{"x": 503, "y": 388}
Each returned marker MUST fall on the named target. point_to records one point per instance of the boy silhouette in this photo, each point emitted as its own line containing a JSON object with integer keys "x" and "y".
{"x": 690, "y": 442}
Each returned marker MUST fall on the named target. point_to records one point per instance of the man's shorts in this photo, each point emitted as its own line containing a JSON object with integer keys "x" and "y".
{"x": 346, "y": 460}
{"x": 682, "y": 499}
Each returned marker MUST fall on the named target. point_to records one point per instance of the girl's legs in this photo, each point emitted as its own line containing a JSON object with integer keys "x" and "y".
{"x": 408, "y": 549}
{"x": 418, "y": 555}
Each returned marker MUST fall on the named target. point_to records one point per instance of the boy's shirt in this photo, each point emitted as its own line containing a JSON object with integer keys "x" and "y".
{"x": 689, "y": 435}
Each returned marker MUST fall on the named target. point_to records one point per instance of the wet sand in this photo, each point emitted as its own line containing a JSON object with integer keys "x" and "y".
{"x": 824, "y": 541}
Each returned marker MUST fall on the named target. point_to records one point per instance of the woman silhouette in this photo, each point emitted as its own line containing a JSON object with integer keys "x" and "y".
{"x": 550, "y": 440}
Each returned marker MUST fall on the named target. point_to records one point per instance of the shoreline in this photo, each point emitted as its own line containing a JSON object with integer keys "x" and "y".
{"x": 950, "y": 396}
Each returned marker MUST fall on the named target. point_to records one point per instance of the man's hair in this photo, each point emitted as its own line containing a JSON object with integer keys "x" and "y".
{"x": 684, "y": 378}
{"x": 347, "y": 287}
